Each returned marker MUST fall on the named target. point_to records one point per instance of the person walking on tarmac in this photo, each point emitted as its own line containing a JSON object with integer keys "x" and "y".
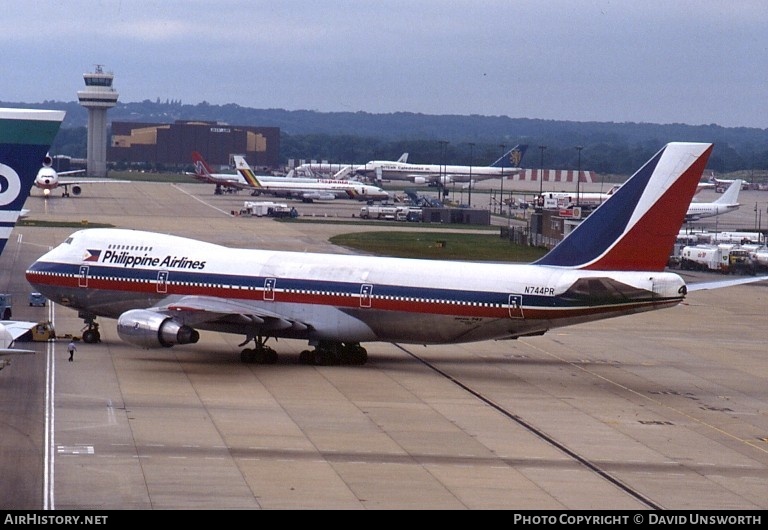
{"x": 72, "y": 349}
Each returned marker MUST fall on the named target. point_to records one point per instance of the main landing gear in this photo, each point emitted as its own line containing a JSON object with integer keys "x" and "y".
{"x": 328, "y": 353}
{"x": 90, "y": 332}
{"x": 259, "y": 354}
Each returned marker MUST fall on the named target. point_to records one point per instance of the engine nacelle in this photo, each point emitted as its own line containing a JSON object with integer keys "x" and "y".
{"x": 148, "y": 329}
{"x": 76, "y": 190}
{"x": 47, "y": 161}
{"x": 419, "y": 180}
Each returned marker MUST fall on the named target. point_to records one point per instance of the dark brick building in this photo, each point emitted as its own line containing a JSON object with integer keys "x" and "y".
{"x": 173, "y": 143}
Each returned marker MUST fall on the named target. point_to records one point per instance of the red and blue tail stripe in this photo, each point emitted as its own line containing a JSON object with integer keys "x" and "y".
{"x": 635, "y": 229}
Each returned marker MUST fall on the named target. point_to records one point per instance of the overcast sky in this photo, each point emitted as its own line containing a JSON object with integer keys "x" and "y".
{"x": 658, "y": 61}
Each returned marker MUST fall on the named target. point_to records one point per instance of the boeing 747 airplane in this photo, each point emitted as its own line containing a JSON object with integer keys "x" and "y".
{"x": 162, "y": 288}
{"x": 25, "y": 138}
{"x": 506, "y": 166}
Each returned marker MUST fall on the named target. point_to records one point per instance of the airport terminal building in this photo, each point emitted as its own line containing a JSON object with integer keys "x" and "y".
{"x": 172, "y": 143}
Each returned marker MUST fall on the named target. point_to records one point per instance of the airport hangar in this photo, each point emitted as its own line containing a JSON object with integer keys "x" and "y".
{"x": 173, "y": 143}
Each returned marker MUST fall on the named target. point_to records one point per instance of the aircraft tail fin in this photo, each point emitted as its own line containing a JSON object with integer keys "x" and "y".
{"x": 26, "y": 136}
{"x": 202, "y": 169}
{"x": 731, "y": 195}
{"x": 512, "y": 158}
{"x": 246, "y": 172}
{"x": 403, "y": 158}
{"x": 636, "y": 227}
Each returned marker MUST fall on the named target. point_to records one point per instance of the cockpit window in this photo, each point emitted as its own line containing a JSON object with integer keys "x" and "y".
{"x": 68, "y": 241}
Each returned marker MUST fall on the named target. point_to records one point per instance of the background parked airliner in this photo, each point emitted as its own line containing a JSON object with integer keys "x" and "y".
{"x": 720, "y": 184}
{"x": 204, "y": 173}
{"x": 507, "y": 165}
{"x": 162, "y": 288}
{"x": 48, "y": 179}
{"x": 320, "y": 189}
{"x": 727, "y": 202}
{"x": 325, "y": 168}
{"x": 561, "y": 199}
{"x": 25, "y": 138}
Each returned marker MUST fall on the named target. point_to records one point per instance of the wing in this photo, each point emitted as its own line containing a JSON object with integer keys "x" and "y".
{"x": 217, "y": 313}
{"x": 17, "y": 328}
{"x": 72, "y": 182}
{"x": 10, "y": 330}
{"x": 717, "y": 284}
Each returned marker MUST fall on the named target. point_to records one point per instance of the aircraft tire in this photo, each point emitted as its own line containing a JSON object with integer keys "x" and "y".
{"x": 248, "y": 356}
{"x": 91, "y": 336}
{"x": 307, "y": 357}
{"x": 270, "y": 356}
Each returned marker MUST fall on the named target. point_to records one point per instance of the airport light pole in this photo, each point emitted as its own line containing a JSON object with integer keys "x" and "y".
{"x": 578, "y": 174}
{"x": 757, "y": 211}
{"x": 441, "y": 183}
{"x": 501, "y": 192}
{"x": 541, "y": 175}
{"x": 471, "y": 159}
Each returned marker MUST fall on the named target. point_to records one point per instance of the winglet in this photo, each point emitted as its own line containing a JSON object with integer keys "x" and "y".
{"x": 247, "y": 173}
{"x": 635, "y": 229}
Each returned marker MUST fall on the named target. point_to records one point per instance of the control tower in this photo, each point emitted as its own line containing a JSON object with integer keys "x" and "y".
{"x": 98, "y": 97}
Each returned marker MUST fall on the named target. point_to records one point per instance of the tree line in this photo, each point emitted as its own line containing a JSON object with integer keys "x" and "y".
{"x": 357, "y": 137}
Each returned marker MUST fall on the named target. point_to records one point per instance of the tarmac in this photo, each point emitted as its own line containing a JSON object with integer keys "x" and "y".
{"x": 662, "y": 410}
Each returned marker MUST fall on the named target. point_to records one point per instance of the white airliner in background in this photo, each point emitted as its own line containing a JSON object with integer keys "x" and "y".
{"x": 727, "y": 202}
{"x": 25, "y": 138}
{"x": 204, "y": 173}
{"x": 720, "y": 184}
{"x": 320, "y": 189}
{"x": 507, "y": 165}
{"x": 48, "y": 179}
{"x": 162, "y": 288}
{"x": 564, "y": 199}
{"x": 325, "y": 168}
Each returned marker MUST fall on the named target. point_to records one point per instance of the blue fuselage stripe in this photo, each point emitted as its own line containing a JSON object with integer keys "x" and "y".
{"x": 62, "y": 274}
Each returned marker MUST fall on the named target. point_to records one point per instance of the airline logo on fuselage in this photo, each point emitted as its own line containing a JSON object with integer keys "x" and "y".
{"x": 126, "y": 259}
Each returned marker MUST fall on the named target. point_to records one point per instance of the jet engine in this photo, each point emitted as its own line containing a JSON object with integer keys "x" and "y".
{"x": 148, "y": 329}
{"x": 76, "y": 190}
{"x": 419, "y": 180}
